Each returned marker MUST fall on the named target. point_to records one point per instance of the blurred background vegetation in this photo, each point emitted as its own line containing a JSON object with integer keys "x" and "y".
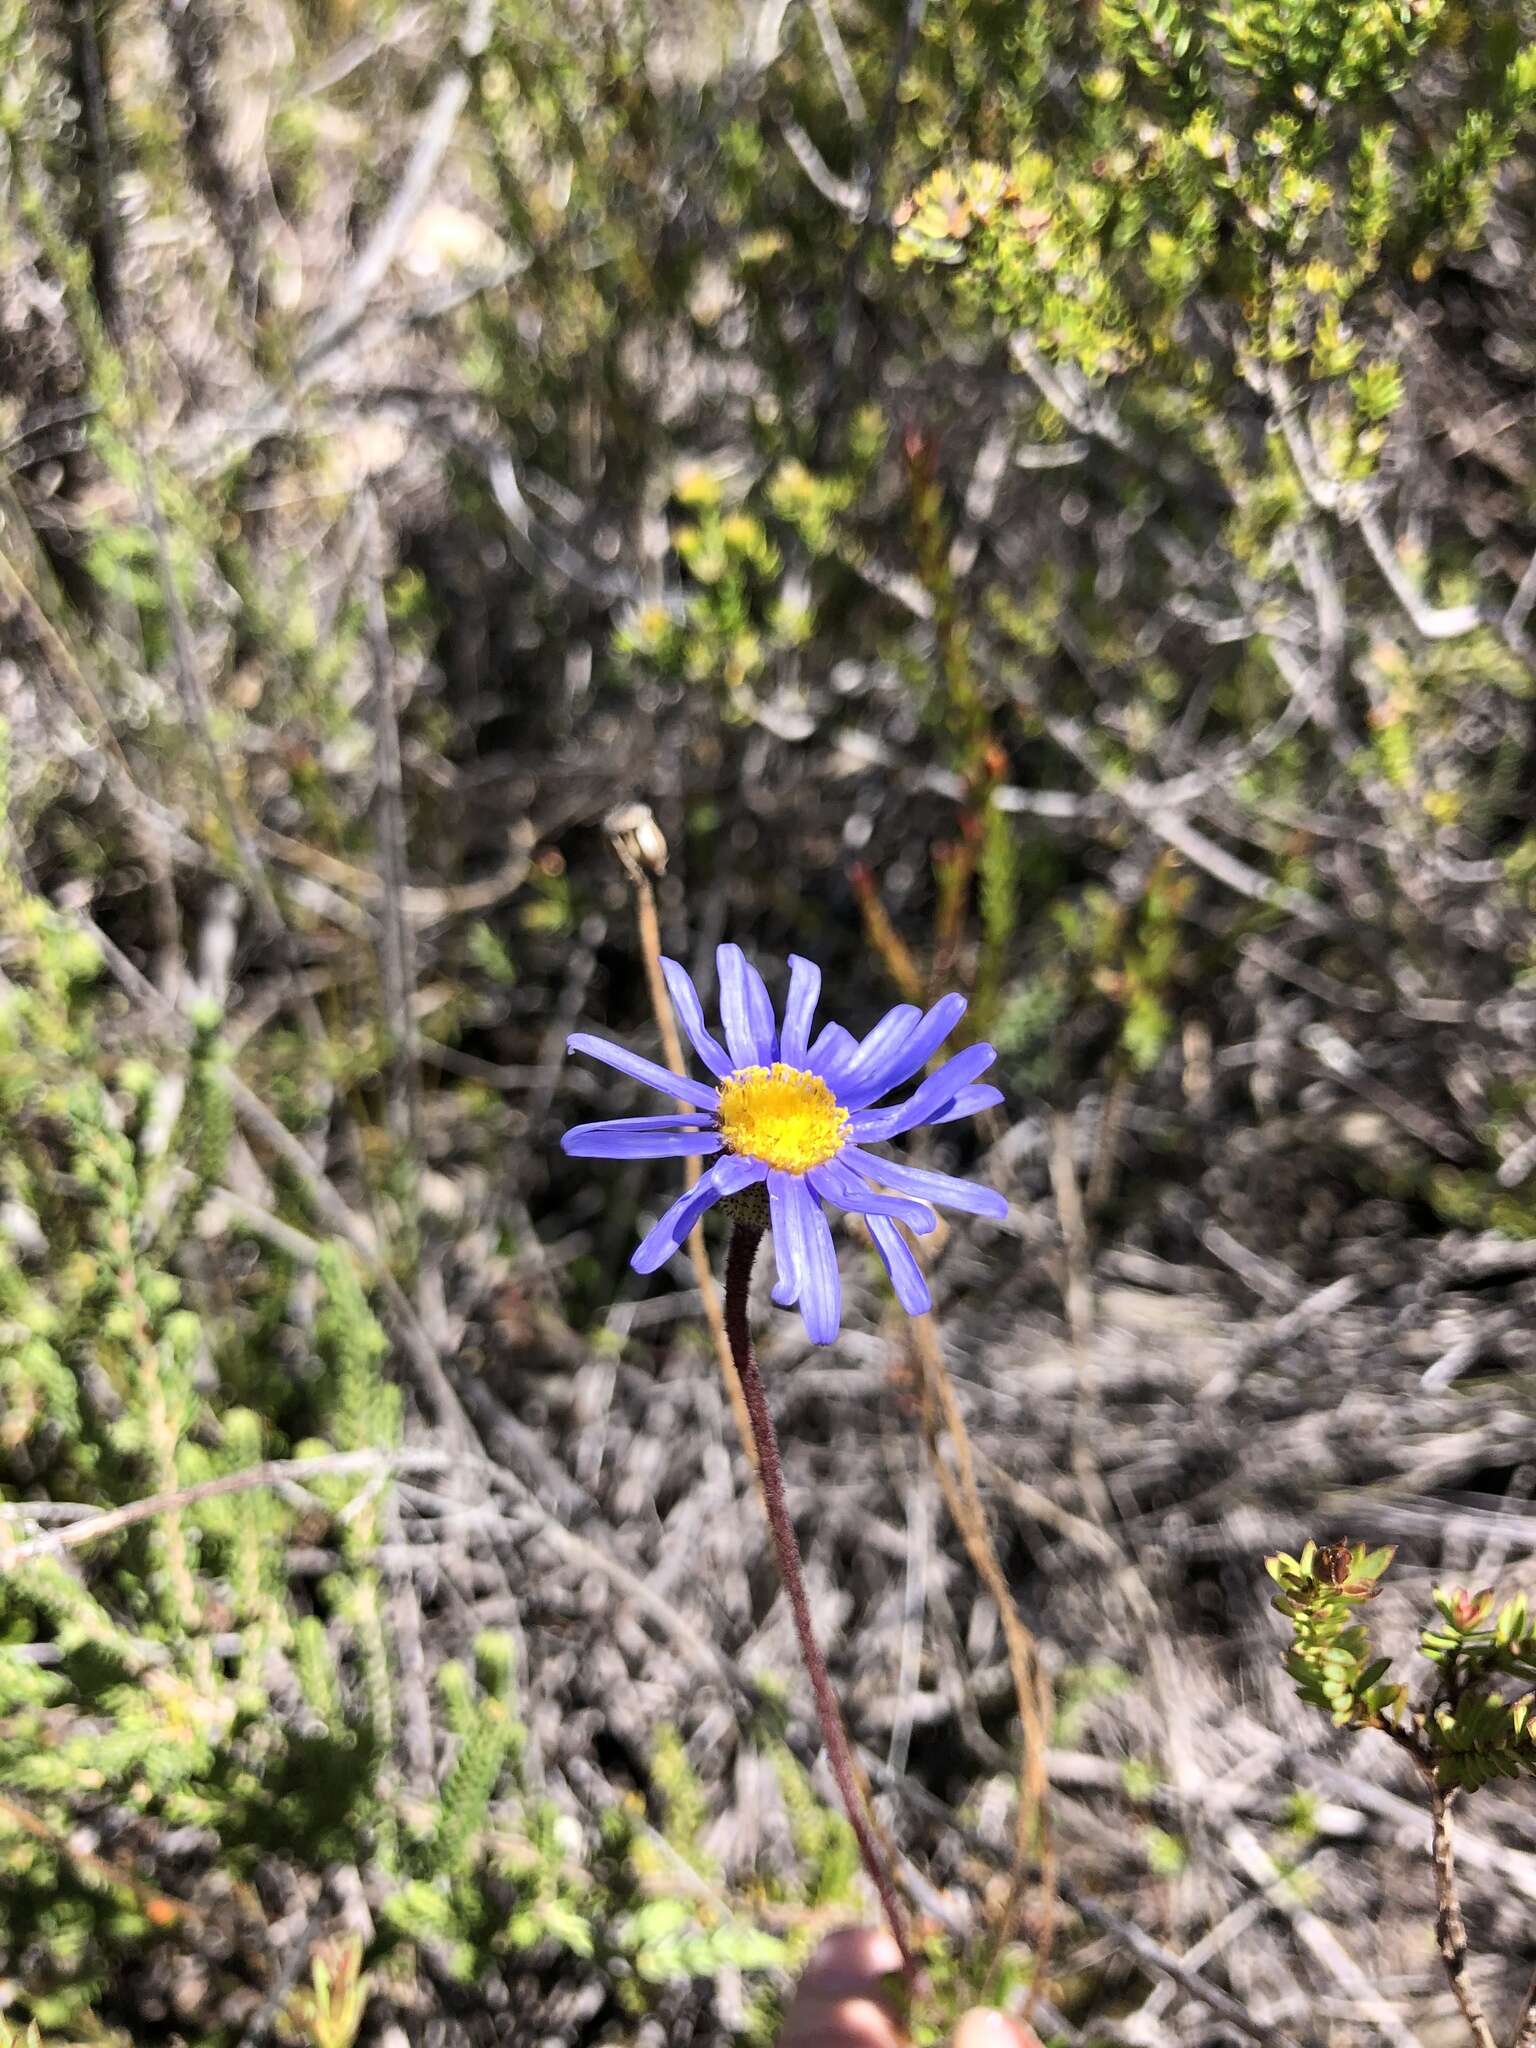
{"x": 1034, "y": 496}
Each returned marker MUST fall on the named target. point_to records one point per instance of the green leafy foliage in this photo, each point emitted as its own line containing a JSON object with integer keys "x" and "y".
{"x": 1062, "y": 533}
{"x": 1331, "y": 1658}
{"x": 1464, "y": 1730}
{"x": 1242, "y": 153}
{"x": 1477, "y": 1732}
{"x": 172, "y": 1679}
{"x": 1467, "y": 1728}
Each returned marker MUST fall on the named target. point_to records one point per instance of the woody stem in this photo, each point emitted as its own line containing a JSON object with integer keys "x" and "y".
{"x": 1450, "y": 1928}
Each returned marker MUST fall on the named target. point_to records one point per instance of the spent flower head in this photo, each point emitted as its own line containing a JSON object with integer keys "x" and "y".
{"x": 794, "y": 1116}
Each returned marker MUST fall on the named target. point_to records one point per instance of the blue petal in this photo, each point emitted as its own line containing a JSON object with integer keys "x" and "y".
{"x": 690, "y": 1014}
{"x": 906, "y": 1274}
{"x": 640, "y": 1137}
{"x": 804, "y": 988}
{"x": 846, "y": 1076}
{"x": 821, "y": 1290}
{"x": 833, "y": 1047}
{"x": 969, "y": 1102}
{"x": 942, "y": 1189}
{"x": 784, "y": 1215}
{"x": 880, "y": 1069}
{"x": 680, "y": 1085}
{"x": 746, "y": 1010}
{"x": 812, "y": 1256}
{"x": 834, "y": 1183}
{"x": 726, "y": 1177}
{"x": 936, "y": 1093}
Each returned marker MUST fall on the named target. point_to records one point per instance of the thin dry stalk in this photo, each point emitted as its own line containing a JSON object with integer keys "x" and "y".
{"x": 634, "y": 844}
{"x": 895, "y": 954}
{"x": 90, "y": 1528}
{"x": 397, "y": 953}
{"x": 1101, "y": 1176}
{"x": 1033, "y": 1841}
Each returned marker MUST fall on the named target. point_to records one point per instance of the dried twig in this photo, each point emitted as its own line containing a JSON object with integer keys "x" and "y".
{"x": 397, "y": 948}
{"x": 1125, "y": 1933}
{"x": 351, "y": 300}
{"x": 92, "y": 1527}
{"x": 1317, "y": 1938}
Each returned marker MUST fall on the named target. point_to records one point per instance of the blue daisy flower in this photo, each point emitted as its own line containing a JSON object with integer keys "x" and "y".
{"x": 795, "y": 1115}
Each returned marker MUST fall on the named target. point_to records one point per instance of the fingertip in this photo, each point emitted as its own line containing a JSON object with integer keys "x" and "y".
{"x": 851, "y": 1960}
{"x": 841, "y": 2000}
{"x": 845, "y": 2023}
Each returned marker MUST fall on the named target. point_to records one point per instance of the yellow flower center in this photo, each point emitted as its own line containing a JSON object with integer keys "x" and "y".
{"x": 781, "y": 1115}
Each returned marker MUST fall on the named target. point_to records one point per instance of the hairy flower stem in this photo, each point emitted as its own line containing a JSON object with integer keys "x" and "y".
{"x": 745, "y": 1239}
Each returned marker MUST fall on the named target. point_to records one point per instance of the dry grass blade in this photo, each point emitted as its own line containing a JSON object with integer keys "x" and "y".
{"x": 1033, "y": 1841}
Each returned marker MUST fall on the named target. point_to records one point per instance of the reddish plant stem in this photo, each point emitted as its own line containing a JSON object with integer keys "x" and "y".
{"x": 745, "y": 1239}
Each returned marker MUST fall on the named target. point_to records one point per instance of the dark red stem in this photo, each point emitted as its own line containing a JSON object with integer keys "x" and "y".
{"x": 745, "y": 1239}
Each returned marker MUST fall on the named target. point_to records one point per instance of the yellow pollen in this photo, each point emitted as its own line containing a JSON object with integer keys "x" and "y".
{"x": 781, "y": 1115}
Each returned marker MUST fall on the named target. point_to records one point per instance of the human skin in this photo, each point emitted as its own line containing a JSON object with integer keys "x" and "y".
{"x": 843, "y": 2001}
